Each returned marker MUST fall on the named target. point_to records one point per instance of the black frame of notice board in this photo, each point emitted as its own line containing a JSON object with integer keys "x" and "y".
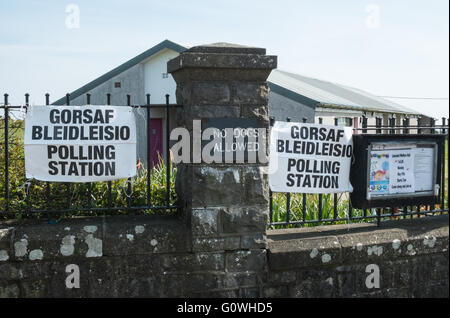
{"x": 360, "y": 170}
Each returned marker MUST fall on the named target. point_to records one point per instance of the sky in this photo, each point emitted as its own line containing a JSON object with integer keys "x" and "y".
{"x": 388, "y": 48}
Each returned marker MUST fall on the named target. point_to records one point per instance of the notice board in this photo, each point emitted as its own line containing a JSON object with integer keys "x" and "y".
{"x": 396, "y": 171}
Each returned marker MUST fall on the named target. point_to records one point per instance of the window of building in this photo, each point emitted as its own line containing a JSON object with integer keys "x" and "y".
{"x": 345, "y": 121}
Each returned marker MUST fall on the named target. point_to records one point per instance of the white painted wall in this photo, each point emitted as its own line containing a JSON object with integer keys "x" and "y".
{"x": 154, "y": 83}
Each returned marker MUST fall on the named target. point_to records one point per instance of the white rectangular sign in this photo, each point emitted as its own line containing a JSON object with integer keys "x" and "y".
{"x": 80, "y": 143}
{"x": 423, "y": 167}
{"x": 401, "y": 164}
{"x": 310, "y": 158}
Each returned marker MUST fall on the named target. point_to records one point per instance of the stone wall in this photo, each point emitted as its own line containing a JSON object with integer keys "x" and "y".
{"x": 157, "y": 257}
{"x": 334, "y": 261}
{"x": 121, "y": 257}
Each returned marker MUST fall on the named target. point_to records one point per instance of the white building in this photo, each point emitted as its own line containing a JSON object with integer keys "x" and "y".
{"x": 291, "y": 95}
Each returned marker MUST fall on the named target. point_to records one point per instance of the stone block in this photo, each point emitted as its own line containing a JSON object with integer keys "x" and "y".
{"x": 206, "y": 181}
{"x": 250, "y": 293}
{"x": 433, "y": 291}
{"x": 193, "y": 262}
{"x": 240, "y": 261}
{"x": 5, "y": 241}
{"x": 208, "y": 93}
{"x": 211, "y": 111}
{"x": 231, "y": 293}
{"x": 439, "y": 265}
{"x": 314, "y": 284}
{"x": 205, "y": 222}
{"x": 9, "y": 291}
{"x": 35, "y": 289}
{"x": 346, "y": 282}
{"x": 300, "y": 253}
{"x": 260, "y": 112}
{"x": 126, "y": 235}
{"x": 241, "y": 279}
{"x": 243, "y": 220}
{"x": 220, "y": 62}
{"x": 228, "y": 243}
{"x": 248, "y": 93}
{"x": 276, "y": 292}
{"x": 68, "y": 238}
{"x": 254, "y": 241}
{"x": 9, "y": 271}
{"x": 187, "y": 283}
{"x": 132, "y": 287}
{"x": 255, "y": 186}
{"x": 396, "y": 293}
{"x": 283, "y": 277}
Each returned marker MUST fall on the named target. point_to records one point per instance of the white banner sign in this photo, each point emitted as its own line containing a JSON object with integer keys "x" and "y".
{"x": 310, "y": 158}
{"x": 80, "y": 143}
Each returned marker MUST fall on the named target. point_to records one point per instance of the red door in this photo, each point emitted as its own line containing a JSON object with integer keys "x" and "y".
{"x": 156, "y": 147}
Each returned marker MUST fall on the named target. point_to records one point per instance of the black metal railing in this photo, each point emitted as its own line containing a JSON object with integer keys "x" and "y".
{"x": 115, "y": 197}
{"x": 301, "y": 209}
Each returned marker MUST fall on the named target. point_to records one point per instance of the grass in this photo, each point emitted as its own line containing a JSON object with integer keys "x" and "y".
{"x": 446, "y": 176}
{"x": 312, "y": 209}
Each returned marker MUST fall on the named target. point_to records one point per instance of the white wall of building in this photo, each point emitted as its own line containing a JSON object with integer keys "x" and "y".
{"x": 154, "y": 81}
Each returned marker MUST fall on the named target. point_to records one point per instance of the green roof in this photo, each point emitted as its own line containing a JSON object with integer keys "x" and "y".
{"x": 166, "y": 44}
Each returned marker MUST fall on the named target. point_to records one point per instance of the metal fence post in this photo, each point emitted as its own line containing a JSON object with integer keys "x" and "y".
{"x": 108, "y": 102}
{"x": 148, "y": 153}
{"x": 6, "y": 136}
{"x": 335, "y": 198}
{"x": 68, "y": 194}
{"x": 129, "y": 179}
{"x": 271, "y": 123}
{"x": 88, "y": 102}
{"x": 168, "y": 161}
{"x": 47, "y": 184}
{"x": 28, "y": 186}
{"x": 288, "y": 195}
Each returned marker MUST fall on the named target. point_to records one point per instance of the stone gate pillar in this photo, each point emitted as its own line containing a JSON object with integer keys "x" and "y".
{"x": 226, "y": 205}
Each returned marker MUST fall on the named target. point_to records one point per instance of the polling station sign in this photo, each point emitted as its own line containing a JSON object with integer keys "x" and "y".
{"x": 310, "y": 158}
{"x": 80, "y": 143}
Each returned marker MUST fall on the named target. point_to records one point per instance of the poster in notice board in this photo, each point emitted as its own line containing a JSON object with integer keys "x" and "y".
{"x": 401, "y": 169}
